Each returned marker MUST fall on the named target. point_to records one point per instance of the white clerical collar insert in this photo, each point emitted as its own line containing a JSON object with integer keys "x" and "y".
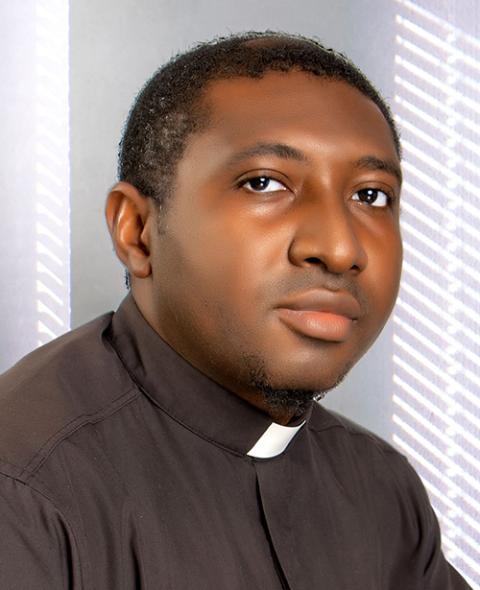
{"x": 273, "y": 441}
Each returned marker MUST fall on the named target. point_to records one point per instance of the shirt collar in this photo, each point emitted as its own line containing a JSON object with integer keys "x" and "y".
{"x": 274, "y": 441}
{"x": 189, "y": 396}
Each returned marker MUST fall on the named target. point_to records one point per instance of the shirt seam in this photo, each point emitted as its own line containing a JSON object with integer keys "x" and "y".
{"x": 67, "y": 523}
{"x": 41, "y": 455}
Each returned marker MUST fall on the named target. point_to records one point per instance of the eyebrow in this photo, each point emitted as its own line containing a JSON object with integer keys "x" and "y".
{"x": 287, "y": 152}
{"x": 374, "y": 163}
{"x": 281, "y": 150}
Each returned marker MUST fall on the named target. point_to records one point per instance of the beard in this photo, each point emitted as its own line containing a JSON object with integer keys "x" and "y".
{"x": 277, "y": 398}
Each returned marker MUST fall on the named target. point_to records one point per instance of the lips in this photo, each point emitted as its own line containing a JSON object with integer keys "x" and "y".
{"x": 321, "y": 314}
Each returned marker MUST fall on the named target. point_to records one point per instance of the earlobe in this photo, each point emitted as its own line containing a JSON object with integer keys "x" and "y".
{"x": 128, "y": 213}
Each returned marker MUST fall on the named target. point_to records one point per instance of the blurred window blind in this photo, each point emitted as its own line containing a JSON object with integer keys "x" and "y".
{"x": 34, "y": 175}
{"x": 437, "y": 319}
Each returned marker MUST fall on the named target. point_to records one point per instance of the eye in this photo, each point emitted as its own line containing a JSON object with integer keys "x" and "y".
{"x": 263, "y": 184}
{"x": 372, "y": 196}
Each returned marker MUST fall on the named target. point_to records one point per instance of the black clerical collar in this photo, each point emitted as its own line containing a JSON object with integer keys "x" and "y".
{"x": 190, "y": 397}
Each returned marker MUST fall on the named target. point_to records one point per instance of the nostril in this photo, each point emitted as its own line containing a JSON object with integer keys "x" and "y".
{"x": 313, "y": 260}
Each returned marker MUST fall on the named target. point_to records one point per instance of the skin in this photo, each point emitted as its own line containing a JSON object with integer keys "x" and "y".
{"x": 211, "y": 279}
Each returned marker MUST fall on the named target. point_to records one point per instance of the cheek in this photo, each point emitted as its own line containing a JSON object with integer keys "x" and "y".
{"x": 217, "y": 268}
{"x": 384, "y": 270}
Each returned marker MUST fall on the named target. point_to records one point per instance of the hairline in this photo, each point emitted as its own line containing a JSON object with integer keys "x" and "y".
{"x": 192, "y": 111}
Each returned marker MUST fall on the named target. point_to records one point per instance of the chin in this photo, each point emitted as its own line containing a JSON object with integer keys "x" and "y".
{"x": 319, "y": 377}
{"x": 293, "y": 385}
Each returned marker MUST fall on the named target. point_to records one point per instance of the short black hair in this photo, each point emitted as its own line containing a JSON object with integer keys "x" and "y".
{"x": 169, "y": 107}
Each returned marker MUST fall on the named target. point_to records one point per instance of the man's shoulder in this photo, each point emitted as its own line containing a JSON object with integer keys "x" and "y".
{"x": 342, "y": 437}
{"x": 356, "y": 451}
{"x": 326, "y": 419}
{"x": 54, "y": 390}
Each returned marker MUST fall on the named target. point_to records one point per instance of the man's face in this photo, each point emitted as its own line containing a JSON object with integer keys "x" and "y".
{"x": 280, "y": 251}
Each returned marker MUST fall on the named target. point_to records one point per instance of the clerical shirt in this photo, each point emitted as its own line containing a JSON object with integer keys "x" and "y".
{"x": 123, "y": 467}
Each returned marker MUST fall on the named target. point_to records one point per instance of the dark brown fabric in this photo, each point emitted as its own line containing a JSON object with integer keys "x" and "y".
{"x": 123, "y": 467}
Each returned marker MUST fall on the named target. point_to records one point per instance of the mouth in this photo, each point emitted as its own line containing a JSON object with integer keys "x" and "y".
{"x": 321, "y": 314}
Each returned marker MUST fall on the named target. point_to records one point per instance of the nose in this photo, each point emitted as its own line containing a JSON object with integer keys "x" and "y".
{"x": 326, "y": 236}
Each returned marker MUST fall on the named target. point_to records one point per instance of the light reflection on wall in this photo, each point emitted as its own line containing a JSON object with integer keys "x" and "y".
{"x": 437, "y": 319}
{"x": 52, "y": 242}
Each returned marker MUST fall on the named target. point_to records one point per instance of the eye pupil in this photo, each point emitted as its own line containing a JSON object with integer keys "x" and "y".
{"x": 368, "y": 195}
{"x": 259, "y": 183}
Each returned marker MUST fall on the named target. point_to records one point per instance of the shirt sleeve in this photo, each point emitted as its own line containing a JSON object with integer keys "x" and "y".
{"x": 37, "y": 551}
{"x": 427, "y": 557}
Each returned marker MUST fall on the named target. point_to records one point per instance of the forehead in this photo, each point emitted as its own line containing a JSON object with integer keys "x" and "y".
{"x": 323, "y": 111}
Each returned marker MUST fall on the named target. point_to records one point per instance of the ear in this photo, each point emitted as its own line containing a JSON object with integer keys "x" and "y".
{"x": 128, "y": 215}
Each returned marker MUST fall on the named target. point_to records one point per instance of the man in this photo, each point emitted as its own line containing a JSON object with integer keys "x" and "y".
{"x": 176, "y": 443}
